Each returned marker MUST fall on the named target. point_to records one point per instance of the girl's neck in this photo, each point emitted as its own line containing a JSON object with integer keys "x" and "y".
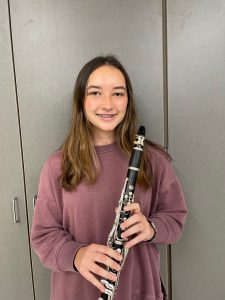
{"x": 104, "y": 139}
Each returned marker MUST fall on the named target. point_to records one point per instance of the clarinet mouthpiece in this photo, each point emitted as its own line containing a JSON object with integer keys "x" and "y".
{"x": 141, "y": 130}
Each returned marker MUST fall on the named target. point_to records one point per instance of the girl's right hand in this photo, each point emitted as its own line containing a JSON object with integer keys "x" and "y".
{"x": 86, "y": 261}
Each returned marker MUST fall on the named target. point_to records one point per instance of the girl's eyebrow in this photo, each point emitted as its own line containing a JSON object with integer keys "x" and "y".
{"x": 94, "y": 86}
{"x": 120, "y": 87}
{"x": 99, "y": 87}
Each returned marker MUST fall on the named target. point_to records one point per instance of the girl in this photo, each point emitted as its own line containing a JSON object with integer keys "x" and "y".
{"x": 80, "y": 186}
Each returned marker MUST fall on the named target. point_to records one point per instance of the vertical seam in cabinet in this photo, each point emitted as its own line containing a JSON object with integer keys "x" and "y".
{"x": 166, "y": 124}
{"x": 165, "y": 73}
{"x": 20, "y": 137}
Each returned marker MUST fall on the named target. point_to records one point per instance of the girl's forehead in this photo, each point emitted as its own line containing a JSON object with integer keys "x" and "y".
{"x": 106, "y": 74}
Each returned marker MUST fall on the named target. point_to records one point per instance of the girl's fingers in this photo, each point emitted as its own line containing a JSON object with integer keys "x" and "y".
{"x": 139, "y": 238}
{"x": 90, "y": 277}
{"x": 91, "y": 255}
{"x": 102, "y": 272}
{"x": 132, "y": 230}
{"x": 136, "y": 218}
{"x": 133, "y": 206}
{"x": 107, "y": 261}
{"x": 106, "y": 250}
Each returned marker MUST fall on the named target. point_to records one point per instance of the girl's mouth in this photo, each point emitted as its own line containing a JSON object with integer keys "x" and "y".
{"x": 106, "y": 116}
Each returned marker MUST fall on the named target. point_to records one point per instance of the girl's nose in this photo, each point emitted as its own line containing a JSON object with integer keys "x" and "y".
{"x": 107, "y": 103}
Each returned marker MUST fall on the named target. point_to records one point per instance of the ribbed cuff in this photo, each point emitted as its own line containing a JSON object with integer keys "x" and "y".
{"x": 66, "y": 254}
{"x": 162, "y": 233}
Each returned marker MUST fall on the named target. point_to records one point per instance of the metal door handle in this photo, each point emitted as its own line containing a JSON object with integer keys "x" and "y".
{"x": 34, "y": 200}
{"x": 15, "y": 210}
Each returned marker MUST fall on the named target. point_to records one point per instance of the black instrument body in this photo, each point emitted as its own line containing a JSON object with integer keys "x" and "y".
{"x": 115, "y": 241}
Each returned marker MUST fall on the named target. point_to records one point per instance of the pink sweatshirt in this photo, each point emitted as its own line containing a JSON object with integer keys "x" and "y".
{"x": 65, "y": 221}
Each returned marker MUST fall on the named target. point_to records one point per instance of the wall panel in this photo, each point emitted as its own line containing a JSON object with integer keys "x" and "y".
{"x": 196, "y": 43}
{"x": 15, "y": 276}
{"x": 52, "y": 40}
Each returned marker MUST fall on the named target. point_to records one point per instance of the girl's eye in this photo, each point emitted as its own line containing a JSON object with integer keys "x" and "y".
{"x": 94, "y": 93}
{"x": 118, "y": 94}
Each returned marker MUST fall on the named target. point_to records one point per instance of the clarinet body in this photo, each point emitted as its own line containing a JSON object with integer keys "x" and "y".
{"x": 115, "y": 241}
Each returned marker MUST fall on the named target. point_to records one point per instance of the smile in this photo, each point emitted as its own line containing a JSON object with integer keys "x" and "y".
{"x": 106, "y": 116}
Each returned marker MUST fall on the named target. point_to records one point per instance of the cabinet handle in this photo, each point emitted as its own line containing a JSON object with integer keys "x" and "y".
{"x": 34, "y": 200}
{"x": 15, "y": 210}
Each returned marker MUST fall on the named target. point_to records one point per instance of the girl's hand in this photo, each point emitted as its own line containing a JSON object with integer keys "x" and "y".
{"x": 136, "y": 224}
{"x": 86, "y": 261}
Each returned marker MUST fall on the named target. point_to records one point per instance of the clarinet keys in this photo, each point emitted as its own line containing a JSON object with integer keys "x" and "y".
{"x": 115, "y": 241}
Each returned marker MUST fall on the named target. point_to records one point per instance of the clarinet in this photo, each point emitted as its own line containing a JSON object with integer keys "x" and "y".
{"x": 115, "y": 241}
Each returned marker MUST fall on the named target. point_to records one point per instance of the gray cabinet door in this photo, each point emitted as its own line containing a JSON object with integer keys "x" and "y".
{"x": 196, "y": 31}
{"x": 52, "y": 41}
{"x": 15, "y": 276}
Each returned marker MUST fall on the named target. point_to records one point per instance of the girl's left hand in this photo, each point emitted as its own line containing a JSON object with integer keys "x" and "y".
{"x": 136, "y": 224}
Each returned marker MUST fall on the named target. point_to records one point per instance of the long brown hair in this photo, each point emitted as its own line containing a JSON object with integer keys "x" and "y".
{"x": 79, "y": 159}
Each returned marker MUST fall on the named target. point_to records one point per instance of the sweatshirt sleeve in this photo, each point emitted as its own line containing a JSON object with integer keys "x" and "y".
{"x": 170, "y": 210}
{"x": 54, "y": 245}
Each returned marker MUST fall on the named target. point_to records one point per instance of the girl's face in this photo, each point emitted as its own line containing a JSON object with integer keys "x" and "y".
{"x": 105, "y": 102}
